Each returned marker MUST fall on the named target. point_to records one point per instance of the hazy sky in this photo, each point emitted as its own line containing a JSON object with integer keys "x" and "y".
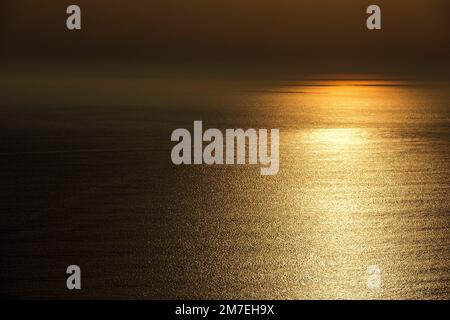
{"x": 207, "y": 29}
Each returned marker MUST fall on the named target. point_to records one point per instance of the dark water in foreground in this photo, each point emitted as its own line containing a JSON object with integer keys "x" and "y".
{"x": 86, "y": 179}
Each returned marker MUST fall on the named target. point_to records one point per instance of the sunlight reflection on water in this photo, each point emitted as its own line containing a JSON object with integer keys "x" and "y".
{"x": 364, "y": 179}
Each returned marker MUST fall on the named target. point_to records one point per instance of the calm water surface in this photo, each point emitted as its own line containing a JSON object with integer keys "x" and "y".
{"x": 87, "y": 179}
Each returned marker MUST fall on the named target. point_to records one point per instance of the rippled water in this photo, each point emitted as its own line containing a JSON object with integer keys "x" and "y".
{"x": 364, "y": 181}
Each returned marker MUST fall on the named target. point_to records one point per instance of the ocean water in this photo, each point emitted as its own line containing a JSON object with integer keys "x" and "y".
{"x": 87, "y": 179}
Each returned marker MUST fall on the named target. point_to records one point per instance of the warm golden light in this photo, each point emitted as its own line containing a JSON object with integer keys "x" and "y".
{"x": 349, "y": 179}
{"x": 338, "y": 139}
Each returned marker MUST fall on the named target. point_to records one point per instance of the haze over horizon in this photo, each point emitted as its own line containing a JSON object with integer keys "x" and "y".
{"x": 232, "y": 29}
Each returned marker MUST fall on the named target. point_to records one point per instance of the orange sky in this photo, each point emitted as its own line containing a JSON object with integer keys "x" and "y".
{"x": 225, "y": 29}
